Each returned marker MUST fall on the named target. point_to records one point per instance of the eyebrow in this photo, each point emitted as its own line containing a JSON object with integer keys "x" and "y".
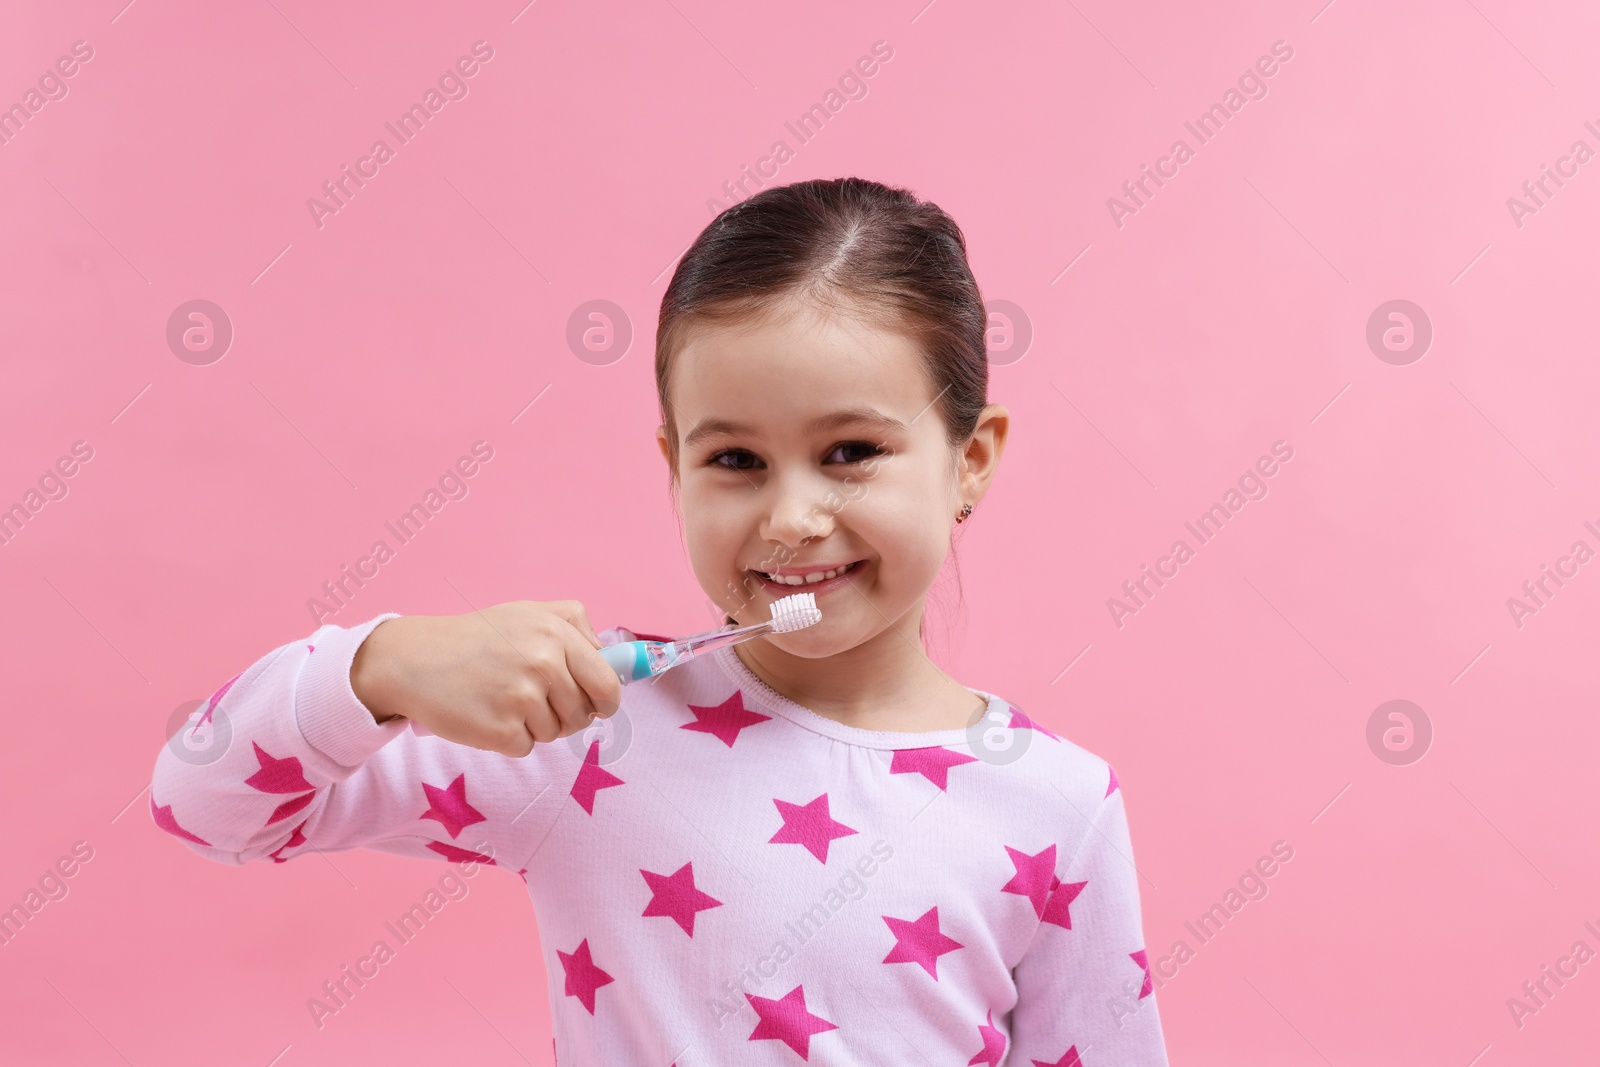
{"x": 870, "y": 417}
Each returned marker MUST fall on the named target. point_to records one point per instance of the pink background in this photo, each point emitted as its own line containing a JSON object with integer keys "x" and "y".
{"x": 1228, "y": 313}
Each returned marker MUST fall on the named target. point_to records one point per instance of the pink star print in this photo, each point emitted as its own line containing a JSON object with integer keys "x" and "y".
{"x": 932, "y": 763}
{"x": 1144, "y": 964}
{"x": 1068, "y": 1058}
{"x": 583, "y": 977}
{"x": 164, "y": 819}
{"x": 724, "y": 721}
{"x": 787, "y": 1020}
{"x": 217, "y": 697}
{"x": 592, "y": 778}
{"x": 809, "y": 825}
{"x": 296, "y": 839}
{"x": 277, "y": 775}
{"x": 674, "y": 895}
{"x": 449, "y": 805}
{"x": 1019, "y": 721}
{"x": 1112, "y": 784}
{"x": 289, "y": 807}
{"x": 919, "y": 942}
{"x": 1062, "y": 894}
{"x": 994, "y": 1043}
{"x": 1033, "y": 877}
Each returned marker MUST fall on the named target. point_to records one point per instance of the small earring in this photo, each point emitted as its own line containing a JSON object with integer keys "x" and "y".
{"x": 966, "y": 510}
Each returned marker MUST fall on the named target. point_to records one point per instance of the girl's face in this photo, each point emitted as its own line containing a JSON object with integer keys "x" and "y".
{"x": 808, "y": 444}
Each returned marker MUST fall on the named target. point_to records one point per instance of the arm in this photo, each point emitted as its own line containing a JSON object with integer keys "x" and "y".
{"x": 1084, "y": 984}
{"x": 304, "y": 765}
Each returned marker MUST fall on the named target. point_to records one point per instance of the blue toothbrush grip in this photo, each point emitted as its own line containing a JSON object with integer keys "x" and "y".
{"x": 630, "y": 659}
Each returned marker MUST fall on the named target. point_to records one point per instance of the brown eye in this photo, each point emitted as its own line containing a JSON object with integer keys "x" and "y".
{"x": 740, "y": 457}
{"x": 856, "y": 451}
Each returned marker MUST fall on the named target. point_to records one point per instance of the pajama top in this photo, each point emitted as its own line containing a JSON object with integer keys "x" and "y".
{"x": 720, "y": 875}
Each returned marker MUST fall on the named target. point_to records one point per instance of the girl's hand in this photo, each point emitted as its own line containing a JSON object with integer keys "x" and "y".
{"x": 500, "y": 679}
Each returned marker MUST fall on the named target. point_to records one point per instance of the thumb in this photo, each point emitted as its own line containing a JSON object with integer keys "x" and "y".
{"x": 581, "y": 621}
{"x": 577, "y": 617}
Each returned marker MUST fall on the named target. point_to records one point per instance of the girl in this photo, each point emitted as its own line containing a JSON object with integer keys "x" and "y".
{"x": 814, "y": 847}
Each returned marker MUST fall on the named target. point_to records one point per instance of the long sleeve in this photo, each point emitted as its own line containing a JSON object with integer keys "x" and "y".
{"x": 285, "y": 759}
{"x": 1084, "y": 991}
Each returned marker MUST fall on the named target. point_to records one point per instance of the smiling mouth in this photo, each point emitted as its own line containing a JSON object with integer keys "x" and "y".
{"x": 801, "y": 581}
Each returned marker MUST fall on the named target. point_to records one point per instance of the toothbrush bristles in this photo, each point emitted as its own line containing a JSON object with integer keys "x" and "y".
{"x": 795, "y": 612}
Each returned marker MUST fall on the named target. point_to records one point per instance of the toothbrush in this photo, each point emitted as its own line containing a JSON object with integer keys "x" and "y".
{"x": 634, "y": 660}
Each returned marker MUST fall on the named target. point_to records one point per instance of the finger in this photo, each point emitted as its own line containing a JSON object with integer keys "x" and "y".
{"x": 512, "y": 738}
{"x": 528, "y": 698}
{"x": 573, "y": 613}
{"x": 520, "y": 746}
{"x": 542, "y": 724}
{"x": 600, "y": 686}
{"x": 568, "y": 701}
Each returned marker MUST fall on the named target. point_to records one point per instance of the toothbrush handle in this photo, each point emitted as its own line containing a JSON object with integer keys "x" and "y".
{"x": 630, "y": 659}
{"x": 636, "y": 660}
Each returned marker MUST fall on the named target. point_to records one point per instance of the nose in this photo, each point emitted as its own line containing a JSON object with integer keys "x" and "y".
{"x": 794, "y": 512}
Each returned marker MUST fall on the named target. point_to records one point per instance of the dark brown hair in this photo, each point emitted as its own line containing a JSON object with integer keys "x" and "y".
{"x": 851, "y": 245}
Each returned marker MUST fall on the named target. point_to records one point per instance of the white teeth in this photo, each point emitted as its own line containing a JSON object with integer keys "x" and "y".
{"x": 809, "y": 579}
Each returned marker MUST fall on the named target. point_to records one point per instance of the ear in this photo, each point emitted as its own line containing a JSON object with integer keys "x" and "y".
{"x": 661, "y": 440}
{"x": 981, "y": 457}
